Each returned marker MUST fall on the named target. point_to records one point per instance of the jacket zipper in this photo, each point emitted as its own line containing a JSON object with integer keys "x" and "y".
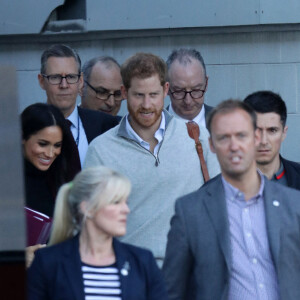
{"x": 156, "y": 157}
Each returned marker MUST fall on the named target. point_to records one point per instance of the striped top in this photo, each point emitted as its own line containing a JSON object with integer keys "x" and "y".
{"x": 101, "y": 283}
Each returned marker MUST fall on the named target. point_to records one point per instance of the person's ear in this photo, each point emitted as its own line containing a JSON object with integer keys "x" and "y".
{"x": 206, "y": 83}
{"x": 166, "y": 89}
{"x": 124, "y": 92}
{"x": 81, "y": 92}
{"x": 80, "y": 83}
{"x": 83, "y": 207}
{"x": 211, "y": 145}
{"x": 41, "y": 80}
{"x": 285, "y": 129}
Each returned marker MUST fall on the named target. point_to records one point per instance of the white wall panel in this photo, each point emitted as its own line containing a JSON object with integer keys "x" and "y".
{"x": 25, "y": 16}
{"x": 283, "y": 79}
{"x": 136, "y": 14}
{"x": 278, "y": 11}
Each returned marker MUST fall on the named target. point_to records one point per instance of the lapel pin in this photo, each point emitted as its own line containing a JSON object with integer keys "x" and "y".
{"x": 276, "y": 203}
{"x": 125, "y": 269}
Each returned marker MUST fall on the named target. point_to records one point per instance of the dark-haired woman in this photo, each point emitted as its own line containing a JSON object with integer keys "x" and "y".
{"x": 48, "y": 158}
{"x": 47, "y": 147}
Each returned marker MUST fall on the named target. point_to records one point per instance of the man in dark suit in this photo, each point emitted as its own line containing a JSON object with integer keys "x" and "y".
{"x": 271, "y": 121}
{"x": 188, "y": 84}
{"x": 238, "y": 236}
{"x": 62, "y": 80}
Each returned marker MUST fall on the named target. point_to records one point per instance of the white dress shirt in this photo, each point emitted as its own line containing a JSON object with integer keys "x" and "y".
{"x": 159, "y": 134}
{"x": 199, "y": 119}
{"x": 78, "y": 134}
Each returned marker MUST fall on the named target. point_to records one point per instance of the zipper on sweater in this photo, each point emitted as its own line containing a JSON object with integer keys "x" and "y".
{"x": 156, "y": 157}
{"x": 157, "y": 162}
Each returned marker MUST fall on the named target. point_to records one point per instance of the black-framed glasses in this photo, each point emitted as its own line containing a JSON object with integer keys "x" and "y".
{"x": 181, "y": 94}
{"x": 104, "y": 94}
{"x": 57, "y": 78}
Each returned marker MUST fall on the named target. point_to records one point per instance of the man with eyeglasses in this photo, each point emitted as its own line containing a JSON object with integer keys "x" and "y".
{"x": 102, "y": 85}
{"x": 188, "y": 84}
{"x": 62, "y": 80}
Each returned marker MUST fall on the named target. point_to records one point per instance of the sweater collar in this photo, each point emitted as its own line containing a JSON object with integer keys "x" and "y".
{"x": 122, "y": 131}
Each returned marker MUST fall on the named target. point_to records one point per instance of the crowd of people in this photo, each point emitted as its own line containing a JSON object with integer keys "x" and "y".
{"x": 137, "y": 212}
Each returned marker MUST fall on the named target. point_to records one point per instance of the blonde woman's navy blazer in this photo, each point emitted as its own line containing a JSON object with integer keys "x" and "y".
{"x": 56, "y": 273}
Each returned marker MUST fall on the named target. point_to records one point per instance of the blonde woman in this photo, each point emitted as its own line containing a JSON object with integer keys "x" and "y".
{"x": 85, "y": 261}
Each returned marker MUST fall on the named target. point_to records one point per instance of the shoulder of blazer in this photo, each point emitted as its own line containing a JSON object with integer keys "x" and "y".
{"x": 277, "y": 189}
{"x": 126, "y": 251}
{"x": 208, "y": 108}
{"x": 65, "y": 248}
{"x": 292, "y": 172}
{"x": 96, "y": 122}
{"x": 288, "y": 165}
{"x": 209, "y": 188}
{"x": 91, "y": 116}
{"x": 287, "y": 196}
{"x": 207, "y": 111}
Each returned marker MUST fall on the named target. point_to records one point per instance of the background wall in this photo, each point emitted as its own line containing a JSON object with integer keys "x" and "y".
{"x": 243, "y": 55}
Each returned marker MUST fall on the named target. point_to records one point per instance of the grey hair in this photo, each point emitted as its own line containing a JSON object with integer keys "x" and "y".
{"x": 107, "y": 61}
{"x": 98, "y": 186}
{"x": 59, "y": 50}
{"x": 184, "y": 56}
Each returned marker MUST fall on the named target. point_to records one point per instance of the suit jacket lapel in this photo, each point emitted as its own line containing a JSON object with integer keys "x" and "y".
{"x": 217, "y": 211}
{"x": 123, "y": 265}
{"x": 272, "y": 212}
{"x": 89, "y": 128}
{"x": 72, "y": 268}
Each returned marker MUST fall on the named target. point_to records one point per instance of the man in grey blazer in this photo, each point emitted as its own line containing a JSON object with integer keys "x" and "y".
{"x": 237, "y": 237}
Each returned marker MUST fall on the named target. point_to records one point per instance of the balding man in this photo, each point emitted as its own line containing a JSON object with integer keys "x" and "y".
{"x": 188, "y": 84}
{"x": 102, "y": 85}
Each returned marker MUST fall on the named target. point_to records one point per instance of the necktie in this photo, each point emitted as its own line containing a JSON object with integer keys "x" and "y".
{"x": 73, "y": 148}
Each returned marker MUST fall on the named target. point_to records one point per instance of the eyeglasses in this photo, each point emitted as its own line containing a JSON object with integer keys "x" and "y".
{"x": 57, "y": 79}
{"x": 181, "y": 94}
{"x": 104, "y": 94}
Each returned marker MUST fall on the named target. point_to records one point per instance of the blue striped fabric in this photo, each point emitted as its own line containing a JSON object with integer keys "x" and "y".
{"x": 252, "y": 274}
{"x": 101, "y": 283}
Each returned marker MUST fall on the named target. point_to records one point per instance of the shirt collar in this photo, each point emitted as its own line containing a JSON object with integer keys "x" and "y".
{"x": 280, "y": 172}
{"x": 73, "y": 117}
{"x": 159, "y": 133}
{"x": 198, "y": 119}
{"x": 233, "y": 193}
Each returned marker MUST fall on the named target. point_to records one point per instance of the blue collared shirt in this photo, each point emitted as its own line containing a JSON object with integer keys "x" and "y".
{"x": 159, "y": 134}
{"x": 78, "y": 134}
{"x": 252, "y": 273}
